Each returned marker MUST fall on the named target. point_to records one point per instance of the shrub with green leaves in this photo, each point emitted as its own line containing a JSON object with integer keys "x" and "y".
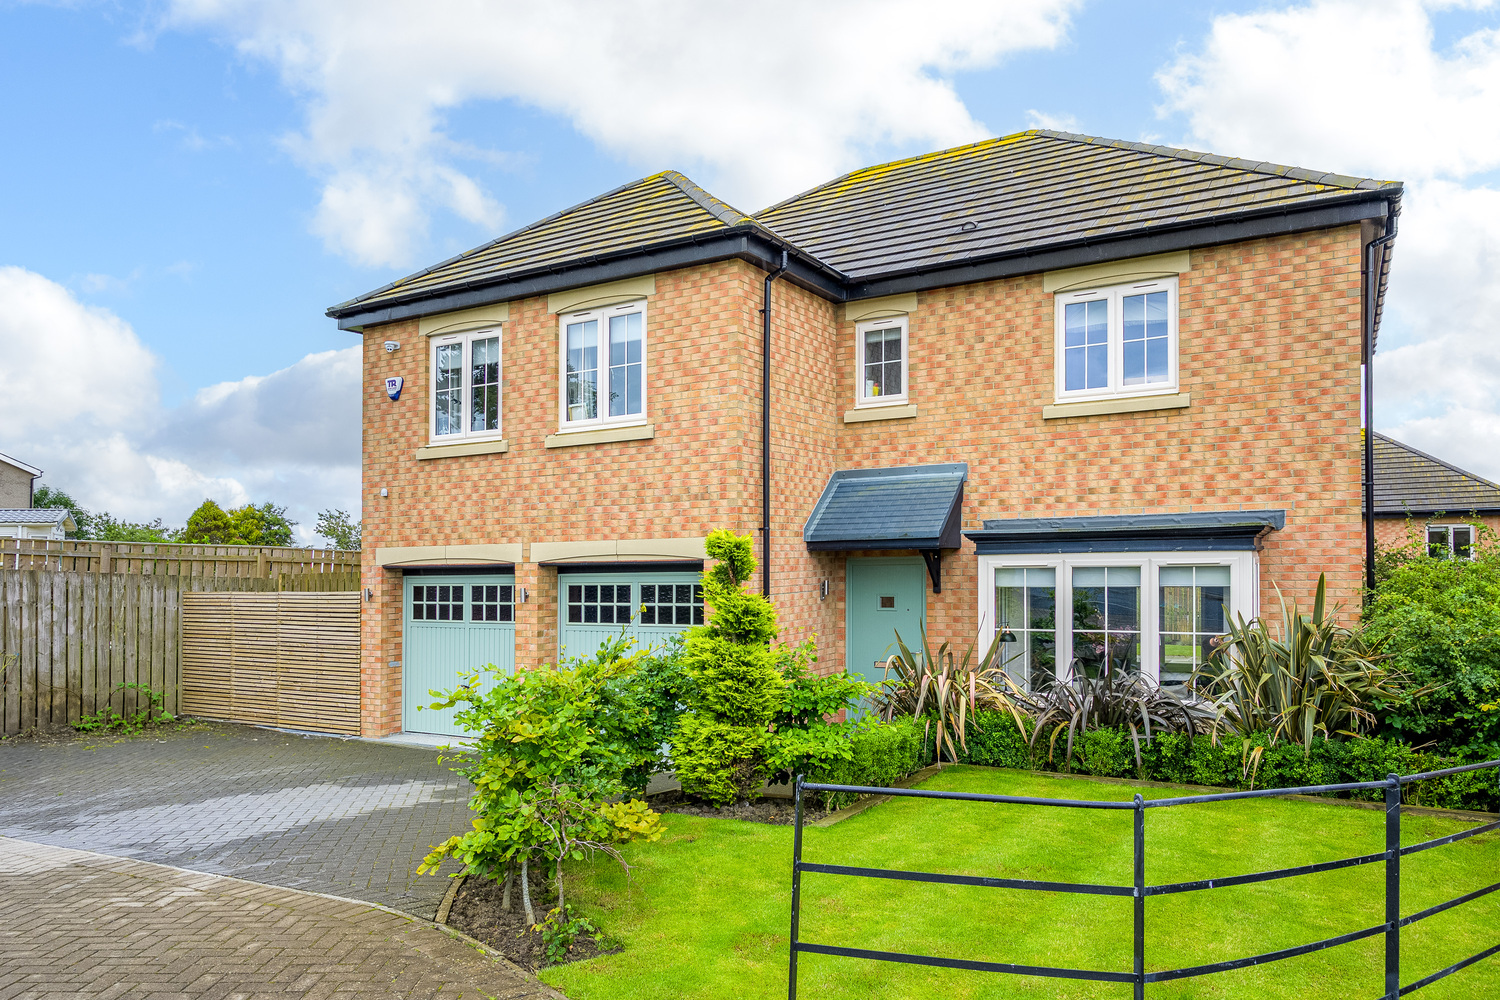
{"x": 548, "y": 769}
{"x": 1438, "y": 621}
{"x": 721, "y": 746}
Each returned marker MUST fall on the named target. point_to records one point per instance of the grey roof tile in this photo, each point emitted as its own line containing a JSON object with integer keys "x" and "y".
{"x": 906, "y": 507}
{"x": 33, "y": 515}
{"x": 1028, "y": 190}
{"x": 1412, "y": 481}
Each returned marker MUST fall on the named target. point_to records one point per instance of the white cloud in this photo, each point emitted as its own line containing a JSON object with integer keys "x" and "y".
{"x": 767, "y": 98}
{"x": 1057, "y": 122}
{"x": 81, "y": 402}
{"x": 1361, "y": 88}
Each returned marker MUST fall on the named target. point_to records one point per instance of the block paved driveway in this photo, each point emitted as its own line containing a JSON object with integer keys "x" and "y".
{"x": 76, "y": 924}
{"x": 344, "y": 817}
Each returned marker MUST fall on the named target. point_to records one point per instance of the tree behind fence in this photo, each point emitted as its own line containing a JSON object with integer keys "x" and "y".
{"x": 71, "y": 638}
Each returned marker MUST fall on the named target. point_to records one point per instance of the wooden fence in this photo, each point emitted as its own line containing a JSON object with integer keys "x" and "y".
{"x": 80, "y": 619}
{"x": 68, "y": 641}
{"x": 288, "y": 568}
{"x": 274, "y": 659}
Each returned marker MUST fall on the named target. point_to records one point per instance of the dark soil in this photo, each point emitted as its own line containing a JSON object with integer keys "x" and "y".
{"x": 476, "y": 911}
{"x": 768, "y": 809}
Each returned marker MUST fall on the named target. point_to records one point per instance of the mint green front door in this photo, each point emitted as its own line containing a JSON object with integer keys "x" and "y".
{"x": 451, "y": 625}
{"x": 882, "y": 596}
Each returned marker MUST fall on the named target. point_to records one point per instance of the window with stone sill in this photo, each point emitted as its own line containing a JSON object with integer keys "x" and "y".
{"x": 1117, "y": 340}
{"x": 465, "y": 402}
{"x": 603, "y": 365}
{"x": 880, "y": 362}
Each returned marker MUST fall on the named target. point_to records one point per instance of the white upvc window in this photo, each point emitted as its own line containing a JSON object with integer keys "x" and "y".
{"x": 1450, "y": 541}
{"x": 602, "y": 358}
{"x": 880, "y": 362}
{"x": 465, "y": 403}
{"x": 1156, "y": 613}
{"x": 1119, "y": 340}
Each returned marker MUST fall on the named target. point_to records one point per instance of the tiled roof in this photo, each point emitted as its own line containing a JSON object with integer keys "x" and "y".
{"x": 912, "y": 507}
{"x": 1408, "y": 480}
{"x": 651, "y": 211}
{"x": 33, "y": 515}
{"x": 1033, "y": 189}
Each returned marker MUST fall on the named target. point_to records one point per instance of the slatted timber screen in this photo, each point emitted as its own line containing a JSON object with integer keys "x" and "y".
{"x": 283, "y": 659}
{"x": 69, "y": 641}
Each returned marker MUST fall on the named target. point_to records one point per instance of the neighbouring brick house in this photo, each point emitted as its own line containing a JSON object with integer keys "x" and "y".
{"x": 1096, "y": 393}
{"x": 18, "y": 518}
{"x": 1419, "y": 497}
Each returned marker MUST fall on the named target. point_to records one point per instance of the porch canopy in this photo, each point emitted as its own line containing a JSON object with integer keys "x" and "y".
{"x": 1200, "y": 531}
{"x": 907, "y": 507}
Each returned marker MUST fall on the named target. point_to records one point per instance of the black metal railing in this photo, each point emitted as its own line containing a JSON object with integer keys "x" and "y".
{"x": 1139, "y": 891}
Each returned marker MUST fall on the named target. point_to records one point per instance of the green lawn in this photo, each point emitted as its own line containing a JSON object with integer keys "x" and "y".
{"x": 707, "y": 914}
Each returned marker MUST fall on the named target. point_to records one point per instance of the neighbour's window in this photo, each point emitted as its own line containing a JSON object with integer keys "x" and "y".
{"x": 1450, "y": 541}
{"x": 881, "y": 361}
{"x": 1160, "y": 614}
{"x": 1117, "y": 341}
{"x": 604, "y": 366}
{"x": 466, "y": 385}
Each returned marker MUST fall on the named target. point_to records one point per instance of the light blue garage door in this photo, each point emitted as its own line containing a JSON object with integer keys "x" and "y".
{"x": 648, "y": 605}
{"x": 452, "y": 624}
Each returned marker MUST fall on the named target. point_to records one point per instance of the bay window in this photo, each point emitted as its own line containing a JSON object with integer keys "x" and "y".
{"x": 603, "y": 367}
{"x": 1117, "y": 341}
{"x": 1155, "y": 613}
{"x": 466, "y": 386}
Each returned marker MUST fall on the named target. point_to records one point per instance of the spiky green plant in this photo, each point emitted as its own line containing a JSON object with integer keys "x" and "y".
{"x": 946, "y": 691}
{"x": 1313, "y": 678}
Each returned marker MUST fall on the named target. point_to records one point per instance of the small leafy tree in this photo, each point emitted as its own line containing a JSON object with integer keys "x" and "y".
{"x": 722, "y": 745}
{"x": 340, "y": 529}
{"x": 548, "y": 771}
{"x": 211, "y": 524}
{"x": 49, "y": 498}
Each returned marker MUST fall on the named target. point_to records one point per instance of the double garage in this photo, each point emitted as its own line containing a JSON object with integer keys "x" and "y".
{"x": 454, "y": 621}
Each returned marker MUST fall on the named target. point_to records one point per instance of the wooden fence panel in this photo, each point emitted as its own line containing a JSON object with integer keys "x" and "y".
{"x": 283, "y": 659}
{"x": 214, "y": 562}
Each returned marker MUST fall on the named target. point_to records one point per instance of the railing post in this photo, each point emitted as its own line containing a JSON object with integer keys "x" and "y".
{"x": 791, "y": 984}
{"x": 1140, "y": 897}
{"x": 1393, "y": 888}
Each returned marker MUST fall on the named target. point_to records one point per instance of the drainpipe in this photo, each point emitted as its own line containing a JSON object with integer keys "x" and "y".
{"x": 765, "y": 432}
{"x": 1374, "y": 254}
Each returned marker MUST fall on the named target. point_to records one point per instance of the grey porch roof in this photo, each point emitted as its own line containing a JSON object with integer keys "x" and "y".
{"x": 1033, "y": 189}
{"x": 1197, "y": 531}
{"x": 37, "y": 515}
{"x": 1412, "y": 481}
{"x": 659, "y": 209}
{"x": 911, "y": 507}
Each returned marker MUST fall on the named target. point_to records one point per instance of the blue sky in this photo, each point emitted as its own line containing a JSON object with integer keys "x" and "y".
{"x": 190, "y": 184}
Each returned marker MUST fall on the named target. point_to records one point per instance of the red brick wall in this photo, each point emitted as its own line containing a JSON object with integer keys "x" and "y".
{"x": 1270, "y": 346}
{"x": 1394, "y": 532}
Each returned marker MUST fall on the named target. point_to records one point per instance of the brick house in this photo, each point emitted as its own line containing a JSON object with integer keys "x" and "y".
{"x": 1095, "y": 393}
{"x": 18, "y": 518}
{"x": 1418, "y": 496}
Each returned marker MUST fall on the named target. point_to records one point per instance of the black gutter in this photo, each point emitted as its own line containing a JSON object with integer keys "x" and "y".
{"x": 765, "y": 431}
{"x": 1371, "y": 273}
{"x": 750, "y": 243}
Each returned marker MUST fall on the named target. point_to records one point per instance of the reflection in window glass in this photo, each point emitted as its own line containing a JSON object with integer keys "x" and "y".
{"x": 1146, "y": 338}
{"x": 448, "y": 385}
{"x": 583, "y": 370}
{"x": 437, "y": 603}
{"x": 491, "y": 603}
{"x": 671, "y": 604}
{"x": 1106, "y": 618}
{"x": 1086, "y": 344}
{"x": 1026, "y": 603}
{"x": 484, "y": 385}
{"x": 599, "y": 603}
{"x": 625, "y": 364}
{"x": 1194, "y": 611}
{"x": 883, "y": 363}
{"x": 1450, "y": 540}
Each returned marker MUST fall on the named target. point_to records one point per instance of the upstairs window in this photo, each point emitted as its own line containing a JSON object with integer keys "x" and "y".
{"x": 1450, "y": 541}
{"x": 1117, "y": 341}
{"x": 604, "y": 366}
{"x": 881, "y": 362}
{"x": 466, "y": 386}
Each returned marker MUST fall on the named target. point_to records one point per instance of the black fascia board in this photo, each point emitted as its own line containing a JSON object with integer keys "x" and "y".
{"x": 1457, "y": 513}
{"x": 1203, "y": 531}
{"x": 748, "y": 243}
{"x": 1078, "y": 253}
